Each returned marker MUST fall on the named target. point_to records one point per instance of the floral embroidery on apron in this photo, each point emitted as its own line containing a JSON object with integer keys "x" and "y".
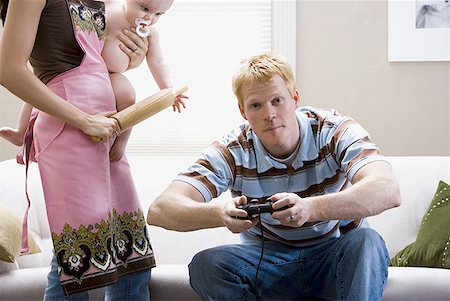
{"x": 88, "y": 19}
{"x": 96, "y": 244}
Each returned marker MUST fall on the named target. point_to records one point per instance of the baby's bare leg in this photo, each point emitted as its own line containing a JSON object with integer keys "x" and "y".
{"x": 15, "y": 136}
{"x": 125, "y": 97}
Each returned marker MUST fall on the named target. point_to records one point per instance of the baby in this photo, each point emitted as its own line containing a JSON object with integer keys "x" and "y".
{"x": 143, "y": 14}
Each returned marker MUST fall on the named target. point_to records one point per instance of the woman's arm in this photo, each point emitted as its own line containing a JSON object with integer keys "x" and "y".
{"x": 15, "y": 48}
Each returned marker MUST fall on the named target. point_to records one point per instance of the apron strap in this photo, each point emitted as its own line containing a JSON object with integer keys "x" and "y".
{"x": 28, "y": 144}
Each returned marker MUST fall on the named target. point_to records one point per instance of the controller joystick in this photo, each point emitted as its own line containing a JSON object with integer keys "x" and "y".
{"x": 254, "y": 208}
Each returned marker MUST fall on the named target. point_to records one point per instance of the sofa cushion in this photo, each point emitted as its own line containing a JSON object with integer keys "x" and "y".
{"x": 432, "y": 245}
{"x": 11, "y": 236}
{"x": 417, "y": 284}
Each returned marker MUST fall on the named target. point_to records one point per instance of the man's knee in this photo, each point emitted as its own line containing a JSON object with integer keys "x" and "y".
{"x": 202, "y": 263}
{"x": 197, "y": 261}
{"x": 211, "y": 263}
{"x": 365, "y": 241}
{"x": 366, "y": 236}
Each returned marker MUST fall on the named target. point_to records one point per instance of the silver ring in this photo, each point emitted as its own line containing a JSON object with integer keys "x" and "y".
{"x": 292, "y": 217}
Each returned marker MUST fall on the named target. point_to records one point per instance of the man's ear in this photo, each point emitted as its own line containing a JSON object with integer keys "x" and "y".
{"x": 241, "y": 109}
{"x": 296, "y": 98}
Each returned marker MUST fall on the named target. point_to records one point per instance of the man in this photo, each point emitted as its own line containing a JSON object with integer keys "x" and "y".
{"x": 319, "y": 164}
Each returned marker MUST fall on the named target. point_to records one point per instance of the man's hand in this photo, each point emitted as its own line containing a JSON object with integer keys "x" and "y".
{"x": 229, "y": 214}
{"x": 298, "y": 213}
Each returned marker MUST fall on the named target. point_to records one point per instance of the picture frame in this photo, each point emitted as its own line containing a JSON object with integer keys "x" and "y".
{"x": 408, "y": 43}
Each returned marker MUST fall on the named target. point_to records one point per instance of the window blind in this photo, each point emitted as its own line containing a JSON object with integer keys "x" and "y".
{"x": 203, "y": 43}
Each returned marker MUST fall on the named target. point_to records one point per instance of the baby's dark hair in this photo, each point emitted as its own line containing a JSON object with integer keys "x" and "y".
{"x": 3, "y": 9}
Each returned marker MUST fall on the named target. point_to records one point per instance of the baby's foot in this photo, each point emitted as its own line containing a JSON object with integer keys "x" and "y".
{"x": 118, "y": 149}
{"x": 12, "y": 135}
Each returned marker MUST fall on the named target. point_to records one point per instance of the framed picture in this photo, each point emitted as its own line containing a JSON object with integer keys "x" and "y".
{"x": 418, "y": 30}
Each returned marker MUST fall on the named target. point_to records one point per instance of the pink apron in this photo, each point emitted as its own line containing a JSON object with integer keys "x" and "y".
{"x": 98, "y": 228}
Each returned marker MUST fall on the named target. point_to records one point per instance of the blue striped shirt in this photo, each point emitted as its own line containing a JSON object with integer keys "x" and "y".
{"x": 332, "y": 149}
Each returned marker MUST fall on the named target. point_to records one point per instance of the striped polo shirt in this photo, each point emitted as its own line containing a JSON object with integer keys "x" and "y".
{"x": 332, "y": 149}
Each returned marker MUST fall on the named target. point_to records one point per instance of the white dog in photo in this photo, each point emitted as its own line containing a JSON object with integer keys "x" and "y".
{"x": 433, "y": 14}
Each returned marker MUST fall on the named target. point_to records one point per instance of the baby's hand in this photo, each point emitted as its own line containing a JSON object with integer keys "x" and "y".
{"x": 178, "y": 103}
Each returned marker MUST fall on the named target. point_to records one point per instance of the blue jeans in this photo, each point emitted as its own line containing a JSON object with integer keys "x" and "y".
{"x": 351, "y": 267}
{"x": 130, "y": 287}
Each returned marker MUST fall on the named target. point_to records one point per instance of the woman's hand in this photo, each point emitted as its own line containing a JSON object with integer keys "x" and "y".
{"x": 100, "y": 127}
{"x": 134, "y": 46}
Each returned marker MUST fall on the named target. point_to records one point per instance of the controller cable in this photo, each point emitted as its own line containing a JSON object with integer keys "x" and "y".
{"x": 262, "y": 249}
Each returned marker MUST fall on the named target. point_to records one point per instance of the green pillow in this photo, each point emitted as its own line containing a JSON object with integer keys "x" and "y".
{"x": 432, "y": 245}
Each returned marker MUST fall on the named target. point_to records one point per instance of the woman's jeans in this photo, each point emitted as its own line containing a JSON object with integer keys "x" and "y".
{"x": 129, "y": 287}
{"x": 351, "y": 267}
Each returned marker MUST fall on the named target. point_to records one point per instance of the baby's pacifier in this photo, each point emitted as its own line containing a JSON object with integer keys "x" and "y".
{"x": 142, "y": 29}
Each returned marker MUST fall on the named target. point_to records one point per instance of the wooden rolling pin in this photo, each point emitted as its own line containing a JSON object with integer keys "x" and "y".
{"x": 147, "y": 107}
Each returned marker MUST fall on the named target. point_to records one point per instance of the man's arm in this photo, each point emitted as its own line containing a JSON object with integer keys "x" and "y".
{"x": 374, "y": 190}
{"x": 181, "y": 208}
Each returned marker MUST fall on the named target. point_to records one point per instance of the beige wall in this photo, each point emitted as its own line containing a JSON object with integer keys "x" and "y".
{"x": 342, "y": 63}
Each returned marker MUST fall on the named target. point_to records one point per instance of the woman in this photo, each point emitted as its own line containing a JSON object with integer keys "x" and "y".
{"x": 97, "y": 226}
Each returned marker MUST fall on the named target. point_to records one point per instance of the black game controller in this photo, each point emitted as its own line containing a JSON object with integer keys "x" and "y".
{"x": 254, "y": 208}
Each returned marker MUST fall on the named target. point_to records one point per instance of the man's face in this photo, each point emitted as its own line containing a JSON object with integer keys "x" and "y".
{"x": 270, "y": 110}
{"x": 147, "y": 9}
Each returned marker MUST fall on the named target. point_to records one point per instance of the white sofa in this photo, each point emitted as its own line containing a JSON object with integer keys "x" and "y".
{"x": 26, "y": 279}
